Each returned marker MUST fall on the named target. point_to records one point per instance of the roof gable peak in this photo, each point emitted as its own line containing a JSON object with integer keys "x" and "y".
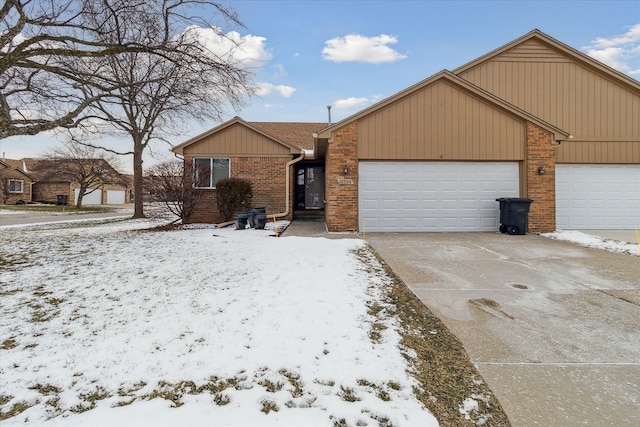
{"x": 557, "y": 45}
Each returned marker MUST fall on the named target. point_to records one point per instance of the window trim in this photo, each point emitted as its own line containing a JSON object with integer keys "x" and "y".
{"x": 211, "y": 172}
{"x": 21, "y": 181}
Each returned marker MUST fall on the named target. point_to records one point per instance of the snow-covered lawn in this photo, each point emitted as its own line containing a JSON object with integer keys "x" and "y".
{"x": 103, "y": 324}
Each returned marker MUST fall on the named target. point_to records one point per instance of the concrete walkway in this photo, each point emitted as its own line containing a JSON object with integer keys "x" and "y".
{"x": 552, "y": 327}
{"x": 307, "y": 228}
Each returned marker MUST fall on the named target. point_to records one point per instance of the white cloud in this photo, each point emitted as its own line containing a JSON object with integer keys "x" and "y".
{"x": 248, "y": 51}
{"x": 350, "y": 103}
{"x": 355, "y": 47}
{"x": 266, "y": 89}
{"x": 280, "y": 71}
{"x": 619, "y": 52}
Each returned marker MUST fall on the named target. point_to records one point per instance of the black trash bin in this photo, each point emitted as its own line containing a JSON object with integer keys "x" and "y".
{"x": 514, "y": 215}
{"x": 241, "y": 220}
{"x": 62, "y": 199}
{"x": 252, "y": 212}
{"x": 259, "y": 221}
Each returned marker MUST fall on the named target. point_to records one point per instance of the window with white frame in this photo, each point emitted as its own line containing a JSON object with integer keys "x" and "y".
{"x": 208, "y": 171}
{"x": 16, "y": 186}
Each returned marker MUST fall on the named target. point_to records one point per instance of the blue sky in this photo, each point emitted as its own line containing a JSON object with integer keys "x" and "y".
{"x": 427, "y": 36}
{"x": 351, "y": 54}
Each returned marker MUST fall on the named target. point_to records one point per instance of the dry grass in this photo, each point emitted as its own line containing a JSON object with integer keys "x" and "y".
{"x": 440, "y": 363}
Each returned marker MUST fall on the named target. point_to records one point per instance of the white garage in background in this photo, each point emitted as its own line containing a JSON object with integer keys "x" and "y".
{"x": 115, "y": 197}
{"x": 434, "y": 196}
{"x": 593, "y": 197}
{"x": 93, "y": 198}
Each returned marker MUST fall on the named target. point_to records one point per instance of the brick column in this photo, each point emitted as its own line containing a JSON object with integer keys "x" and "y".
{"x": 341, "y": 191}
{"x": 541, "y": 152}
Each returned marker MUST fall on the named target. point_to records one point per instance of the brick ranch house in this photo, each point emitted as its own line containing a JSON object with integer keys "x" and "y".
{"x": 15, "y": 185}
{"x": 534, "y": 118}
{"x": 49, "y": 183}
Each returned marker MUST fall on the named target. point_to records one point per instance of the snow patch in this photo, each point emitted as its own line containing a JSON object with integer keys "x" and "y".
{"x": 594, "y": 242}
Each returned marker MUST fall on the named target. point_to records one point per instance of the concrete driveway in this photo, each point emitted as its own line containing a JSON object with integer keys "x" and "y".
{"x": 553, "y": 328}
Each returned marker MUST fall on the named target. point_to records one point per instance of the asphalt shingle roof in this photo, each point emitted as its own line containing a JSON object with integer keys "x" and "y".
{"x": 296, "y": 134}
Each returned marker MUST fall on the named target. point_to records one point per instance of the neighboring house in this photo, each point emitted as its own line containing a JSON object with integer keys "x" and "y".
{"x": 15, "y": 185}
{"x": 534, "y": 118}
{"x": 51, "y": 183}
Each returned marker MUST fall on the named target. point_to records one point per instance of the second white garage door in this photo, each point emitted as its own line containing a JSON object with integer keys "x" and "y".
{"x": 593, "y": 197}
{"x": 434, "y": 196}
{"x": 115, "y": 197}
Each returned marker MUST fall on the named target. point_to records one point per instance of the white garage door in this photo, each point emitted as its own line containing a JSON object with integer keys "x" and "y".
{"x": 593, "y": 197}
{"x": 115, "y": 197}
{"x": 93, "y": 198}
{"x": 434, "y": 196}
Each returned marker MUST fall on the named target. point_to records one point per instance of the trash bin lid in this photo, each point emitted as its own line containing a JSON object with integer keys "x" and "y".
{"x": 514, "y": 200}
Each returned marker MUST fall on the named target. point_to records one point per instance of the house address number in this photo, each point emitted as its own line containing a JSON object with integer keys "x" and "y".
{"x": 345, "y": 181}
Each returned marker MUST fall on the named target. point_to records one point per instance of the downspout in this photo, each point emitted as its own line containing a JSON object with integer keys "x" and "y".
{"x": 288, "y": 187}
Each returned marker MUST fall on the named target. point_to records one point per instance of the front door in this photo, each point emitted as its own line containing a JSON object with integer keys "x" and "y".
{"x": 310, "y": 187}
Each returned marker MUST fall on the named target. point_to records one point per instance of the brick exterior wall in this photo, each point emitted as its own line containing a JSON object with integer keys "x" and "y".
{"x": 267, "y": 176}
{"x": 541, "y": 152}
{"x": 341, "y": 210}
{"x": 13, "y": 198}
{"x": 48, "y": 192}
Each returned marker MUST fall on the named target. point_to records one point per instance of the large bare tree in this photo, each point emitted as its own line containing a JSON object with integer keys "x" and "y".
{"x": 156, "y": 94}
{"x": 139, "y": 67}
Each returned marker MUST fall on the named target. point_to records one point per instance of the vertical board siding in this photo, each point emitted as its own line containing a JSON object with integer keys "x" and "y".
{"x": 600, "y": 113}
{"x": 599, "y": 152}
{"x": 441, "y": 122}
{"x": 236, "y": 140}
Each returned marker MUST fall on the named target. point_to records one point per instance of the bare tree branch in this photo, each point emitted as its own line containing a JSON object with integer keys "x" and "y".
{"x": 41, "y": 40}
{"x": 169, "y": 183}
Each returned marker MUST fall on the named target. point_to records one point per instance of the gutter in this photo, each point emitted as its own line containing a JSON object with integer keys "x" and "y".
{"x": 288, "y": 186}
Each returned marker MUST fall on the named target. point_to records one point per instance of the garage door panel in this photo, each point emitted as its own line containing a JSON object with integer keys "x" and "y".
{"x": 450, "y": 196}
{"x": 93, "y": 198}
{"x": 597, "y": 196}
{"x": 116, "y": 197}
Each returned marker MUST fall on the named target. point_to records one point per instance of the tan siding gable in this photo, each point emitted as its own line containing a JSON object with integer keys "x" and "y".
{"x": 532, "y": 50}
{"x": 571, "y": 92}
{"x": 571, "y": 97}
{"x": 237, "y": 140}
{"x": 441, "y": 122}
